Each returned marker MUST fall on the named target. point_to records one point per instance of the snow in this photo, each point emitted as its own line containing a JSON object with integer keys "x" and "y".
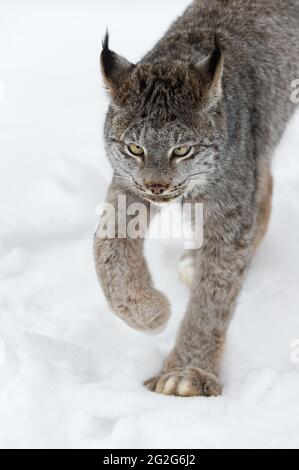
{"x": 70, "y": 372}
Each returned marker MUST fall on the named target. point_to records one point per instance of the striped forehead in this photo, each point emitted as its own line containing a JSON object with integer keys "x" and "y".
{"x": 158, "y": 137}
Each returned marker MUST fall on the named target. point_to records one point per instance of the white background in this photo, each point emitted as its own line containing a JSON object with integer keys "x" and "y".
{"x": 70, "y": 372}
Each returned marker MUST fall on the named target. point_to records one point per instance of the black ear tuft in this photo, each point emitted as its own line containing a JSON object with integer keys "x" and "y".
{"x": 107, "y": 56}
{"x": 105, "y": 41}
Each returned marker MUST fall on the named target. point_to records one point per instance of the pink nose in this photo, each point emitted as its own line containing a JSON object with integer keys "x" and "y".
{"x": 157, "y": 189}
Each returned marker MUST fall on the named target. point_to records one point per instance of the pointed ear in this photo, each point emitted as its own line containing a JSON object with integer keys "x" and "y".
{"x": 212, "y": 70}
{"x": 115, "y": 68}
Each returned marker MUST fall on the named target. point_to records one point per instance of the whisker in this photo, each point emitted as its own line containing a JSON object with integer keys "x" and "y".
{"x": 197, "y": 174}
{"x": 121, "y": 176}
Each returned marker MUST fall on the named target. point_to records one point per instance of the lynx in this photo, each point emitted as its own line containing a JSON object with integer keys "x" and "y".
{"x": 198, "y": 120}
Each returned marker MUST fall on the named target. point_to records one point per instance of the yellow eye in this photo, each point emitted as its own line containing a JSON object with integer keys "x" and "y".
{"x": 136, "y": 150}
{"x": 181, "y": 151}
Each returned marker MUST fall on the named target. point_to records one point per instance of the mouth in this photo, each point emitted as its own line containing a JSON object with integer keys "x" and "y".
{"x": 162, "y": 199}
{"x": 171, "y": 196}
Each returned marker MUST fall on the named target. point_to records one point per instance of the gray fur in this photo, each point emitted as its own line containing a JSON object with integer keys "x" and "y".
{"x": 220, "y": 79}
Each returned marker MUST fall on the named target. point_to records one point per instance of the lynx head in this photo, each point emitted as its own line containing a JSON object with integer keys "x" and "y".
{"x": 165, "y": 126}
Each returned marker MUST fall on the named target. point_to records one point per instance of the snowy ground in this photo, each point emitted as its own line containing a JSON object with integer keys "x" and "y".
{"x": 70, "y": 372}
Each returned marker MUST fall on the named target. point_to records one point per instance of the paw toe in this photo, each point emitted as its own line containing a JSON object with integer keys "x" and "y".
{"x": 185, "y": 389}
{"x": 167, "y": 386}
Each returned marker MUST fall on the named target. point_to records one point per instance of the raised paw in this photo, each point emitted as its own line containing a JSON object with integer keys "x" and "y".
{"x": 189, "y": 382}
{"x": 149, "y": 311}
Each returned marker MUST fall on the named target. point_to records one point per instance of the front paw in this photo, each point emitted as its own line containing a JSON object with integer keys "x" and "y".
{"x": 148, "y": 312}
{"x": 188, "y": 382}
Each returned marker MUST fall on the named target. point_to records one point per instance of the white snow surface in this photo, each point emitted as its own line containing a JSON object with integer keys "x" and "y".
{"x": 71, "y": 373}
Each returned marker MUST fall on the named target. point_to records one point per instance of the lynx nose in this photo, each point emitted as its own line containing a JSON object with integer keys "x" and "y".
{"x": 156, "y": 188}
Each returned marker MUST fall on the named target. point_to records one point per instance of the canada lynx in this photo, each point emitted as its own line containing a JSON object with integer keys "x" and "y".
{"x": 198, "y": 119}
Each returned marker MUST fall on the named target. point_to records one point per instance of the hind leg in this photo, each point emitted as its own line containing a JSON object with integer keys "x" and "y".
{"x": 186, "y": 267}
{"x": 265, "y": 206}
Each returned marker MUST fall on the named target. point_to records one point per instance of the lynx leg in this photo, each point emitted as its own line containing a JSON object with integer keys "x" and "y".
{"x": 192, "y": 369}
{"x": 124, "y": 275}
{"x": 186, "y": 268}
{"x": 266, "y": 190}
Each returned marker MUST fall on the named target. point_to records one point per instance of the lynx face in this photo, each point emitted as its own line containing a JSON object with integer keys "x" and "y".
{"x": 164, "y": 128}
